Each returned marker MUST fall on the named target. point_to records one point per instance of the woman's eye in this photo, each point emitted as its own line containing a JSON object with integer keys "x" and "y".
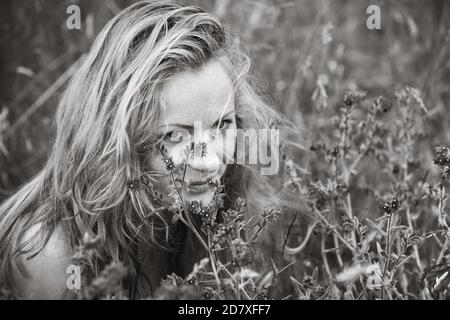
{"x": 225, "y": 124}
{"x": 173, "y": 137}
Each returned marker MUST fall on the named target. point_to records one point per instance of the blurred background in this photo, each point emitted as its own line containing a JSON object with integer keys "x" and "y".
{"x": 307, "y": 53}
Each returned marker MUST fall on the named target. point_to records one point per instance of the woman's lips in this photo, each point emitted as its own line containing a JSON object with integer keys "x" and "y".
{"x": 196, "y": 186}
{"x": 192, "y": 182}
{"x": 196, "y": 183}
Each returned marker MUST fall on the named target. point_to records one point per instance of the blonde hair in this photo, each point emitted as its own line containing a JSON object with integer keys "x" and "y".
{"x": 105, "y": 122}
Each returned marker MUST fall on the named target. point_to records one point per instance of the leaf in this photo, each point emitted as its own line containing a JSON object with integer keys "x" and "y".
{"x": 265, "y": 281}
{"x": 315, "y": 274}
{"x": 439, "y": 280}
{"x": 297, "y": 287}
{"x": 379, "y": 249}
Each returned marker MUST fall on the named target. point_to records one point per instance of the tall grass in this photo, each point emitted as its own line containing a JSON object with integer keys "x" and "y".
{"x": 374, "y": 168}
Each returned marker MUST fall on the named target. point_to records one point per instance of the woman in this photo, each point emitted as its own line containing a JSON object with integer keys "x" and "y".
{"x": 155, "y": 74}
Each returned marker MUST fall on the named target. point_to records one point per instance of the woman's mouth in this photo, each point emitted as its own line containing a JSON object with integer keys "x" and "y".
{"x": 196, "y": 182}
{"x": 195, "y": 186}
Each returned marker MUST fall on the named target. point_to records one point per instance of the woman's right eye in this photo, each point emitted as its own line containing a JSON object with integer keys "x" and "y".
{"x": 173, "y": 136}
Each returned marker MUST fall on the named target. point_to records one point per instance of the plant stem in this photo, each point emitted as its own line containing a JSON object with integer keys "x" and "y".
{"x": 324, "y": 258}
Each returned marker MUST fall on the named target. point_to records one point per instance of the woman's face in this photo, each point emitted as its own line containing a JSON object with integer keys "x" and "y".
{"x": 197, "y": 127}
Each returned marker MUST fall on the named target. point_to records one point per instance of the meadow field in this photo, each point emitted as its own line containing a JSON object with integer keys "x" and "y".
{"x": 373, "y": 161}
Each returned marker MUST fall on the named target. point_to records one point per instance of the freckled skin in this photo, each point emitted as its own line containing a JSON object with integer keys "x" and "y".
{"x": 197, "y": 99}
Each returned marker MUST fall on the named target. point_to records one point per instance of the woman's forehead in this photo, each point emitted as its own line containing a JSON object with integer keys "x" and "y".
{"x": 202, "y": 95}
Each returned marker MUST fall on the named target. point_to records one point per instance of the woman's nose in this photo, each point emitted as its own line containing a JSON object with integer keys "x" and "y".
{"x": 204, "y": 158}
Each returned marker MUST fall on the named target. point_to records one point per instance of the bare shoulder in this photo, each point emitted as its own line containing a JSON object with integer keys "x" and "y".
{"x": 45, "y": 274}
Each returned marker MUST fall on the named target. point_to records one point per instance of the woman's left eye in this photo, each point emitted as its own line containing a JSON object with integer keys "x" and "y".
{"x": 224, "y": 124}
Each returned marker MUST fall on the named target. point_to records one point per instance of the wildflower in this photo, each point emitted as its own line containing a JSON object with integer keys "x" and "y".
{"x": 215, "y": 185}
{"x": 271, "y": 214}
{"x": 223, "y": 235}
{"x": 262, "y": 296}
{"x": 441, "y": 157}
{"x": 311, "y": 282}
{"x": 133, "y": 184}
{"x": 318, "y": 146}
{"x": 172, "y": 280}
{"x": 382, "y": 104}
{"x": 207, "y": 294}
{"x": 334, "y": 152}
{"x": 193, "y": 206}
{"x": 349, "y": 98}
{"x": 395, "y": 204}
{"x": 208, "y": 226}
{"x": 385, "y": 207}
{"x": 170, "y": 166}
{"x": 349, "y": 224}
{"x": 341, "y": 188}
{"x": 192, "y": 281}
{"x": 390, "y": 207}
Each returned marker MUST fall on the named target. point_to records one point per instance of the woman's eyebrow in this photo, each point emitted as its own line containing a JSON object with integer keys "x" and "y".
{"x": 222, "y": 117}
{"x": 189, "y": 126}
{"x": 180, "y": 125}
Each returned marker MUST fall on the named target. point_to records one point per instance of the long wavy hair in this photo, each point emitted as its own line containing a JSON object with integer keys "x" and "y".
{"x": 106, "y": 118}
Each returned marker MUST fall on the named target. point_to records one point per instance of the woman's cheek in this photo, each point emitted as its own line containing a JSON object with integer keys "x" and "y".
{"x": 229, "y": 141}
{"x": 156, "y": 162}
{"x": 178, "y": 153}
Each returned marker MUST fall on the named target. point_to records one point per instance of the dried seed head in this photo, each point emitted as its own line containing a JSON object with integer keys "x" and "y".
{"x": 349, "y": 98}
